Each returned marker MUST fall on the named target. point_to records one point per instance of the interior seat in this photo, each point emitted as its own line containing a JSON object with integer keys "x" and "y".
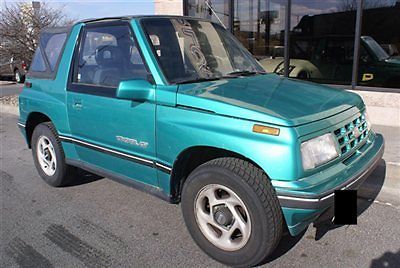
{"x": 109, "y": 60}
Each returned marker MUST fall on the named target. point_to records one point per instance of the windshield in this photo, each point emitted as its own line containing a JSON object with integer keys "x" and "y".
{"x": 379, "y": 52}
{"x": 191, "y": 50}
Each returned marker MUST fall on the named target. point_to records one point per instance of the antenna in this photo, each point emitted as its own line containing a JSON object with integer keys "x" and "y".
{"x": 207, "y": 2}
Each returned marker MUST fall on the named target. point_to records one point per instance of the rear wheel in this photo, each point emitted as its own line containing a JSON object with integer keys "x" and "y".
{"x": 49, "y": 156}
{"x": 232, "y": 212}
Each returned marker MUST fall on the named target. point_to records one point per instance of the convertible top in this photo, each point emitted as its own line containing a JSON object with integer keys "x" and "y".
{"x": 130, "y": 17}
{"x": 56, "y": 30}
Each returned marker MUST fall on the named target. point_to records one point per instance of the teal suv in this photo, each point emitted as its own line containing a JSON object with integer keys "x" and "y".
{"x": 177, "y": 107}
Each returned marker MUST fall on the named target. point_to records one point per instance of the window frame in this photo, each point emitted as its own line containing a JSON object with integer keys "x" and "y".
{"x": 48, "y": 73}
{"x": 98, "y": 90}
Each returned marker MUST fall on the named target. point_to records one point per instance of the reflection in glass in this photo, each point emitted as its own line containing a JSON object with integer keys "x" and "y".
{"x": 321, "y": 42}
{"x": 260, "y": 25}
{"x": 379, "y": 63}
{"x": 214, "y": 10}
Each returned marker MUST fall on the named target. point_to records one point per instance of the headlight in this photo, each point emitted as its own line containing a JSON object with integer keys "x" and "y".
{"x": 318, "y": 151}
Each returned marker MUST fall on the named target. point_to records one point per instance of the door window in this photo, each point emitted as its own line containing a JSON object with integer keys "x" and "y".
{"x": 108, "y": 55}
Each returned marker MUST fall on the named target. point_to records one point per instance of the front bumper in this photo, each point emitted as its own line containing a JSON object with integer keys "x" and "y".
{"x": 303, "y": 205}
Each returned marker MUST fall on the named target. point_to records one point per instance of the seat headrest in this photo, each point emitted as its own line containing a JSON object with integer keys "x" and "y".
{"x": 108, "y": 55}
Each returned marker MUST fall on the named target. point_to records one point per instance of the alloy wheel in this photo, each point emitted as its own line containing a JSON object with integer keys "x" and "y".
{"x": 46, "y": 156}
{"x": 222, "y": 217}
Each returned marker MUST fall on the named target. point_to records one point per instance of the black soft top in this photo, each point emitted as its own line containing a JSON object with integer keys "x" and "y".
{"x": 130, "y": 17}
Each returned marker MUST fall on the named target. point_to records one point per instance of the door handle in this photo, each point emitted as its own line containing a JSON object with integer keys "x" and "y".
{"x": 77, "y": 104}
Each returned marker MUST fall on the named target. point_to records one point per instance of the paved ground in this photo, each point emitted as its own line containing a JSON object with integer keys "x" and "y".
{"x": 8, "y": 88}
{"x": 98, "y": 222}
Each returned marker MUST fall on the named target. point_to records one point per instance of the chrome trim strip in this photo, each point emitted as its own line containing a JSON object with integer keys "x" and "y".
{"x": 141, "y": 160}
{"x": 106, "y": 149}
{"x": 162, "y": 166}
{"x": 298, "y": 198}
{"x": 21, "y": 125}
{"x": 305, "y": 199}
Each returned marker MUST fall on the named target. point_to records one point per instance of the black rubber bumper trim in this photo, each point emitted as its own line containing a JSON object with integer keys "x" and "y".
{"x": 324, "y": 200}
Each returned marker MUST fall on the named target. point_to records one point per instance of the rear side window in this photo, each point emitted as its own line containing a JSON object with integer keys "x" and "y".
{"x": 53, "y": 48}
{"x": 48, "y": 53}
{"x": 38, "y": 64}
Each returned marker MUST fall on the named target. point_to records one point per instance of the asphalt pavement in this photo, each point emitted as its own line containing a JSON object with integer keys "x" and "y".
{"x": 99, "y": 223}
{"x": 8, "y": 88}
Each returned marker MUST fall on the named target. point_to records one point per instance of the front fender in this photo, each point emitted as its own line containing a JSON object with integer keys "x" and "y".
{"x": 179, "y": 129}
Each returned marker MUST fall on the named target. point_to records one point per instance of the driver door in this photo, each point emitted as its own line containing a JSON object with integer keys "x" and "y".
{"x": 110, "y": 134}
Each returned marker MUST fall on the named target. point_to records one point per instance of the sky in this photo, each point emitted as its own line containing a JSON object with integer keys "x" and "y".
{"x": 84, "y": 9}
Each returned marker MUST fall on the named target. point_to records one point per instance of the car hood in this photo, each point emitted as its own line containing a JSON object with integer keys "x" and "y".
{"x": 394, "y": 61}
{"x": 267, "y": 98}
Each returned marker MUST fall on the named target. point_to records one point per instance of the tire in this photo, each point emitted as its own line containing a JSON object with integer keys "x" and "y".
{"x": 19, "y": 78}
{"x": 261, "y": 211}
{"x": 59, "y": 174}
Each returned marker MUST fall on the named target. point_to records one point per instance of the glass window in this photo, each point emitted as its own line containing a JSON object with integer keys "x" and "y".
{"x": 38, "y": 64}
{"x": 321, "y": 42}
{"x": 108, "y": 55}
{"x": 53, "y": 44}
{"x": 214, "y": 10}
{"x": 194, "y": 50}
{"x": 260, "y": 26}
{"x": 379, "y": 64}
{"x": 50, "y": 48}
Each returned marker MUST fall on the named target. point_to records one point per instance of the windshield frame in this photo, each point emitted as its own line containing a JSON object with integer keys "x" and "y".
{"x": 161, "y": 68}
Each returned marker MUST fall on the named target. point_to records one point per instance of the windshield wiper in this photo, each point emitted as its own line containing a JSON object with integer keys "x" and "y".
{"x": 234, "y": 74}
{"x": 243, "y": 73}
{"x": 197, "y": 80}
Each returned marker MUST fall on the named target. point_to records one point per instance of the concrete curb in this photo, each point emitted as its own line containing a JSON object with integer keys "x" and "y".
{"x": 383, "y": 107}
{"x": 380, "y": 99}
{"x": 6, "y": 83}
{"x": 389, "y": 191}
{"x": 384, "y": 116}
{"x": 9, "y": 109}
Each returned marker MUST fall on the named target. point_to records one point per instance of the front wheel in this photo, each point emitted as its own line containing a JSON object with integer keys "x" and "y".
{"x": 232, "y": 212}
{"x": 48, "y": 156}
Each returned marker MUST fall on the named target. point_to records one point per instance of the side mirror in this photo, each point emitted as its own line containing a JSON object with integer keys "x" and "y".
{"x": 137, "y": 90}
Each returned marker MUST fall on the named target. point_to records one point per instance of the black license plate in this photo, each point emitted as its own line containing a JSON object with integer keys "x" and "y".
{"x": 345, "y": 207}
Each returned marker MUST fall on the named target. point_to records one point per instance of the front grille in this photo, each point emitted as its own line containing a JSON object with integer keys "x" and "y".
{"x": 351, "y": 134}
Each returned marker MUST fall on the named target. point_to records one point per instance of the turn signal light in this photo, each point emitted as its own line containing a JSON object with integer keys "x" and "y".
{"x": 266, "y": 130}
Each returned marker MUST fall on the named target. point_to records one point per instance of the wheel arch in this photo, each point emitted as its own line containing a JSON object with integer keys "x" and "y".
{"x": 191, "y": 158}
{"x": 34, "y": 119}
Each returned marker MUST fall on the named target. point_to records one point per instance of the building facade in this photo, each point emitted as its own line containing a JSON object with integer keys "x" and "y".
{"x": 320, "y": 36}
